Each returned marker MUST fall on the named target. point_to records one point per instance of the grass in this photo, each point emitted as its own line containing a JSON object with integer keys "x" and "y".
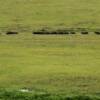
{"x": 68, "y": 65}
{"x": 33, "y": 14}
{"x": 15, "y": 95}
{"x": 54, "y": 66}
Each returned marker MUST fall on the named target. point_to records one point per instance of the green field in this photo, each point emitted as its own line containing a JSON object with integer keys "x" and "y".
{"x": 66, "y": 64}
{"x": 34, "y": 14}
{"x": 49, "y": 64}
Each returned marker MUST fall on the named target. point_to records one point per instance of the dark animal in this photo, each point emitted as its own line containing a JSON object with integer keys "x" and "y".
{"x": 84, "y": 33}
{"x": 11, "y": 33}
{"x": 72, "y": 33}
{"x": 62, "y": 32}
{"x": 97, "y": 33}
{"x": 40, "y": 32}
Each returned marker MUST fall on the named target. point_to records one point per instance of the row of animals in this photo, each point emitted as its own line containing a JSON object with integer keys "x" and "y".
{"x": 54, "y": 32}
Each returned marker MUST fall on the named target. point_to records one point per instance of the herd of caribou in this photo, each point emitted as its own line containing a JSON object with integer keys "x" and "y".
{"x": 64, "y": 31}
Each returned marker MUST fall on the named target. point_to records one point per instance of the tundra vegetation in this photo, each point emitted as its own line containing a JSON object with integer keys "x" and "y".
{"x": 49, "y": 67}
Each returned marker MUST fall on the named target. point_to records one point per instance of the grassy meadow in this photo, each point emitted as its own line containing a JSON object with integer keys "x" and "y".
{"x": 62, "y": 64}
{"x": 49, "y": 64}
{"x": 34, "y": 14}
